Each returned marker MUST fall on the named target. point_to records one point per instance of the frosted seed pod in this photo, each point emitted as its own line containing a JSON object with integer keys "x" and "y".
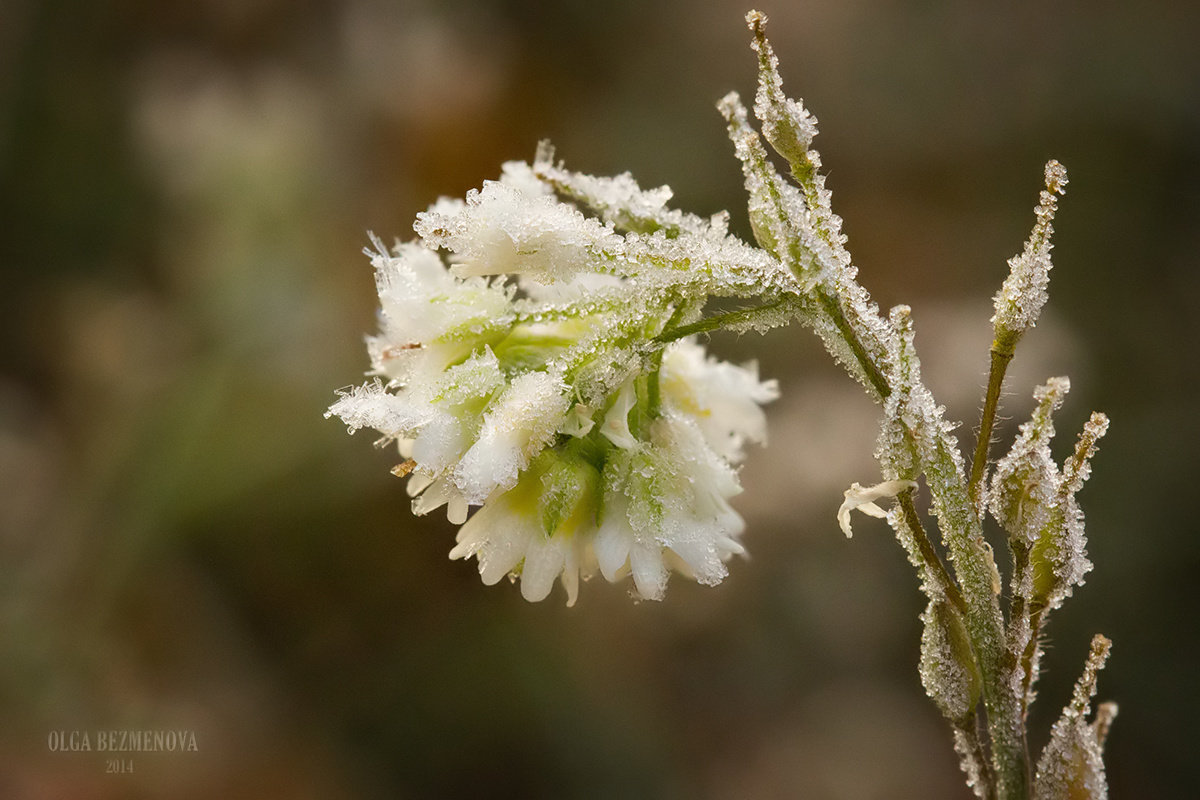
{"x": 948, "y": 669}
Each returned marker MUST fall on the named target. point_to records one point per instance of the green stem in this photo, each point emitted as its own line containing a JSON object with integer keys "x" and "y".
{"x": 929, "y": 555}
{"x": 1035, "y": 631}
{"x": 718, "y": 321}
{"x": 970, "y": 734}
{"x": 1002, "y": 353}
{"x": 831, "y": 306}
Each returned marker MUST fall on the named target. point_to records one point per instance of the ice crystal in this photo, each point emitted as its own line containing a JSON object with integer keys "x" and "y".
{"x": 787, "y": 124}
{"x": 1059, "y": 556}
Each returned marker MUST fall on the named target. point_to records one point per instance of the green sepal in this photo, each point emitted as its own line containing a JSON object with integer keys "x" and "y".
{"x": 570, "y": 489}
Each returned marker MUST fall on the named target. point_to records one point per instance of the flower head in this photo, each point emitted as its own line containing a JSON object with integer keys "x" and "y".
{"x": 535, "y": 373}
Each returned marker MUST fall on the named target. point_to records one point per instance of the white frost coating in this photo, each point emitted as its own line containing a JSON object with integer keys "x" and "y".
{"x": 503, "y": 229}
{"x": 371, "y": 406}
{"x": 948, "y": 673}
{"x": 1021, "y": 298}
{"x": 777, "y": 211}
{"x": 863, "y": 499}
{"x": 1072, "y": 763}
{"x": 422, "y": 306}
{"x": 1063, "y": 543}
{"x": 972, "y": 766}
{"x": 518, "y": 425}
{"x": 619, "y": 199}
{"x": 787, "y": 125}
{"x": 1027, "y": 481}
{"x": 658, "y": 237}
{"x": 521, "y": 176}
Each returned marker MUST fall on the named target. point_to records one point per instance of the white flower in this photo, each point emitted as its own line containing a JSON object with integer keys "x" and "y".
{"x": 544, "y": 399}
{"x": 616, "y": 420}
{"x": 662, "y": 505}
{"x": 426, "y": 313}
{"x": 503, "y": 229}
{"x": 539, "y": 530}
{"x": 521, "y": 422}
{"x": 578, "y": 421}
{"x": 666, "y": 504}
{"x": 863, "y": 499}
{"x": 724, "y": 399}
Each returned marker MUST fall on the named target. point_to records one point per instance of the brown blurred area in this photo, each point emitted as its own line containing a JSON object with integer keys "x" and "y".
{"x": 185, "y": 543}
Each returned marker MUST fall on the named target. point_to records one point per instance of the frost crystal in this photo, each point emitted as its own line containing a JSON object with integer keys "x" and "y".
{"x": 1058, "y": 556}
{"x": 787, "y": 124}
{"x": 948, "y": 669}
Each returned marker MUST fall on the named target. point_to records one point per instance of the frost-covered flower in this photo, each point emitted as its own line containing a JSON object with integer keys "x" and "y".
{"x": 666, "y": 506}
{"x": 537, "y": 372}
{"x": 724, "y": 399}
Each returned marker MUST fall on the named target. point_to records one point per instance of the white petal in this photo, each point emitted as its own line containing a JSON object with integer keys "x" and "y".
{"x": 578, "y": 421}
{"x": 471, "y": 536}
{"x": 701, "y": 556}
{"x": 543, "y": 563}
{"x": 570, "y": 573}
{"x": 616, "y": 421}
{"x": 418, "y": 481}
{"x": 649, "y": 572}
{"x": 456, "y": 510}
{"x": 863, "y": 499}
{"x": 440, "y": 492}
{"x": 504, "y": 549}
{"x": 612, "y": 541}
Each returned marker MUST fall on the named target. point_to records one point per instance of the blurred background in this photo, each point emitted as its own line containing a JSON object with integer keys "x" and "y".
{"x": 185, "y": 190}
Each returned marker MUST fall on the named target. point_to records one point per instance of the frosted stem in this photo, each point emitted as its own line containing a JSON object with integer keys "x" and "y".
{"x": 975, "y": 569}
{"x": 1001, "y": 357}
{"x": 929, "y": 557}
{"x": 974, "y": 762}
{"x": 832, "y": 307}
{"x": 742, "y": 316}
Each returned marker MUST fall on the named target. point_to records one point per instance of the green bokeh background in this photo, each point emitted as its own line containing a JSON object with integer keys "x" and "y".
{"x": 185, "y": 543}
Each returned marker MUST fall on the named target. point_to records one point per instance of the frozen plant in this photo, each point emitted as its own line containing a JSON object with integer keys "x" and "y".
{"x": 538, "y": 358}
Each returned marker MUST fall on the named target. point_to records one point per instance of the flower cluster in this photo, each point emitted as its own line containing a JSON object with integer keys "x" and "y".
{"x": 544, "y": 372}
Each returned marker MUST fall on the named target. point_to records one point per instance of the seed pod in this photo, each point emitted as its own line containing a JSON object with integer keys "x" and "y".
{"x": 948, "y": 669}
